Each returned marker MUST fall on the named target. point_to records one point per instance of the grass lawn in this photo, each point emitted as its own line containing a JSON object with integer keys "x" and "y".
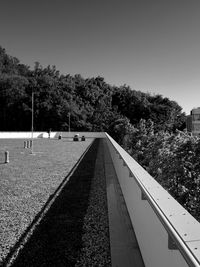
{"x": 28, "y": 180}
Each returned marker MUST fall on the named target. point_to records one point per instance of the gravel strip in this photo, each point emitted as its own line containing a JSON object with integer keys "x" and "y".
{"x": 28, "y": 181}
{"x": 74, "y": 231}
{"x": 95, "y": 238}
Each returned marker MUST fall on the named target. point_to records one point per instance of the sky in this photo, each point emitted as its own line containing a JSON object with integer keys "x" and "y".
{"x": 150, "y": 45}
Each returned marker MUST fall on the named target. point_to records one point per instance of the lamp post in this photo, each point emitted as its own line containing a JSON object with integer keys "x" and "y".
{"x": 69, "y": 122}
{"x": 32, "y": 121}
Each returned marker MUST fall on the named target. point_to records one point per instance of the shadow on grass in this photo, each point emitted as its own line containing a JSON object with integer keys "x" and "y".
{"x": 56, "y": 241}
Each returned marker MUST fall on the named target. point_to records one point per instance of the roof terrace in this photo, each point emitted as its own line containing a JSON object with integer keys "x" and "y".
{"x": 104, "y": 207}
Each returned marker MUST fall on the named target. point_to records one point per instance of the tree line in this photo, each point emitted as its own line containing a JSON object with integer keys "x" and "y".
{"x": 93, "y": 104}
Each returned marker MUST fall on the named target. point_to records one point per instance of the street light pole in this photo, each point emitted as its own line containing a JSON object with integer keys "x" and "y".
{"x": 69, "y": 121}
{"x": 32, "y": 121}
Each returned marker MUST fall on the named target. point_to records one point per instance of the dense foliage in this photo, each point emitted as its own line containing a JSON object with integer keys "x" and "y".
{"x": 172, "y": 159}
{"x": 92, "y": 104}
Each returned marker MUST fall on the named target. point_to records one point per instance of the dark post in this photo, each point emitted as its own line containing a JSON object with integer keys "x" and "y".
{"x": 25, "y": 144}
{"x": 6, "y": 156}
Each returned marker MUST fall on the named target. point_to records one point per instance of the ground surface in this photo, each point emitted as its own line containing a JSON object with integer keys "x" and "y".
{"x": 27, "y": 182}
{"x": 74, "y": 231}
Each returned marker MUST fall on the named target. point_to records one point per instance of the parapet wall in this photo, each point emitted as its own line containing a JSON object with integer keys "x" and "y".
{"x": 167, "y": 234}
{"x": 53, "y": 134}
{"x": 26, "y": 135}
{"x": 86, "y": 134}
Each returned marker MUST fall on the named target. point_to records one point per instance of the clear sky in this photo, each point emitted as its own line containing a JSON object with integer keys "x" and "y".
{"x": 150, "y": 45}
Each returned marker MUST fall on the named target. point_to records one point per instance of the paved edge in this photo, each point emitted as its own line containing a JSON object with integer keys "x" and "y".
{"x": 123, "y": 243}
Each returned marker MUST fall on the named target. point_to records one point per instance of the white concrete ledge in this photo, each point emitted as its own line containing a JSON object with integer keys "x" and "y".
{"x": 53, "y": 134}
{"x": 28, "y": 135}
{"x": 167, "y": 234}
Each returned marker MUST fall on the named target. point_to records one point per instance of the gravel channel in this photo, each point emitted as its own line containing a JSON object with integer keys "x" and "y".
{"x": 74, "y": 231}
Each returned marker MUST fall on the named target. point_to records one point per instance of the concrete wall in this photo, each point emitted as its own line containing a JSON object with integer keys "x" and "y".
{"x": 28, "y": 135}
{"x": 167, "y": 234}
{"x": 86, "y": 134}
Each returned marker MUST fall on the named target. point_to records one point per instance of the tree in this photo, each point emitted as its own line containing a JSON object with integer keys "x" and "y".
{"x": 93, "y": 104}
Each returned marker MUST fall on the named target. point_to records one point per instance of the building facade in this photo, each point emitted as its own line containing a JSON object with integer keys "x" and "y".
{"x": 193, "y": 121}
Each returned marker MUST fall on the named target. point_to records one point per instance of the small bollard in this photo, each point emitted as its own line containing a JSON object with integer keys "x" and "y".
{"x": 30, "y": 143}
{"x": 60, "y": 136}
{"x": 6, "y": 156}
{"x": 25, "y": 144}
